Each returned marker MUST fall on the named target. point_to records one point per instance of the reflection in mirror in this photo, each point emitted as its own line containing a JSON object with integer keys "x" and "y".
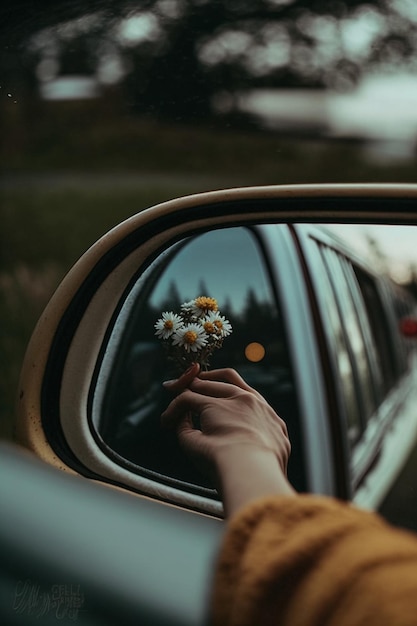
{"x": 362, "y": 283}
{"x": 228, "y": 265}
{"x": 388, "y": 249}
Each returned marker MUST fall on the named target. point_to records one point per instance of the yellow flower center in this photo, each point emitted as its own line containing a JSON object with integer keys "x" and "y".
{"x": 218, "y": 324}
{"x": 206, "y": 304}
{"x": 209, "y": 328}
{"x": 190, "y": 337}
{"x": 169, "y": 324}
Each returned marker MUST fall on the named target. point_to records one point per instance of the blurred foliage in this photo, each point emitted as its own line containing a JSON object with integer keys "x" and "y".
{"x": 95, "y": 136}
{"x": 43, "y": 232}
{"x": 172, "y": 57}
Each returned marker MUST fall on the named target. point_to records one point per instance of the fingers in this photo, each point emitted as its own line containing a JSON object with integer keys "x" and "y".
{"x": 227, "y": 375}
{"x": 187, "y": 435}
{"x": 181, "y": 408}
{"x": 219, "y": 383}
{"x": 231, "y": 377}
{"x": 215, "y": 389}
{"x": 181, "y": 383}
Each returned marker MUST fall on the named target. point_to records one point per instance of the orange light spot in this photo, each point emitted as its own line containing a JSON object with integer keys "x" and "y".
{"x": 254, "y": 352}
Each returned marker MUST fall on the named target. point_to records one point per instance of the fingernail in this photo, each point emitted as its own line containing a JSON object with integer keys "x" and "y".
{"x": 187, "y": 371}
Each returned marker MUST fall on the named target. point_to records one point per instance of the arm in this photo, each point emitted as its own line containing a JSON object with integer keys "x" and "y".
{"x": 286, "y": 558}
{"x": 314, "y": 561}
{"x": 262, "y": 477}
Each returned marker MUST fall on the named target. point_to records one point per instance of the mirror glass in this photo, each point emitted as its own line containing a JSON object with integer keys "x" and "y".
{"x": 361, "y": 281}
{"x": 231, "y": 266}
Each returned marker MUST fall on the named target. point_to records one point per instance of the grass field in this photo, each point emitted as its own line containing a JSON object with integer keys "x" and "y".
{"x": 70, "y": 173}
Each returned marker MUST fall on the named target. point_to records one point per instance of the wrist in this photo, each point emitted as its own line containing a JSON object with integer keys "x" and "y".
{"x": 246, "y": 473}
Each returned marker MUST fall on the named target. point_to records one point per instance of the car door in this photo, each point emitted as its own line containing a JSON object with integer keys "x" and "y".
{"x": 92, "y": 371}
{"x": 373, "y": 371}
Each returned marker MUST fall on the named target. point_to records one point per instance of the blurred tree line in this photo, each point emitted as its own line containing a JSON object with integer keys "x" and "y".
{"x": 187, "y": 59}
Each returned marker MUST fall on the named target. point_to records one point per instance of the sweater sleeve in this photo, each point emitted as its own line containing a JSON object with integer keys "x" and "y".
{"x": 314, "y": 561}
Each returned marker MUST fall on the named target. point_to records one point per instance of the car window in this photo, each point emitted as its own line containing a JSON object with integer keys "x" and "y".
{"x": 353, "y": 330}
{"x": 382, "y": 341}
{"x": 368, "y": 359}
{"x": 403, "y": 304}
{"x": 368, "y": 336}
{"x": 338, "y": 344}
{"x": 225, "y": 264}
{"x": 360, "y": 311}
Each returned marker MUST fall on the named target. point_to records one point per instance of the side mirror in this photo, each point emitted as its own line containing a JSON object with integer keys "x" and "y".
{"x": 96, "y": 336}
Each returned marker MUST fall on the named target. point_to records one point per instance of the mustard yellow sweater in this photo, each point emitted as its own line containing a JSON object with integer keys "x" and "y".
{"x": 314, "y": 561}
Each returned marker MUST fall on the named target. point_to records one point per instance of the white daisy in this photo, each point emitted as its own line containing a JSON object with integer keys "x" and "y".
{"x": 216, "y": 324}
{"x": 191, "y": 337}
{"x": 168, "y": 324}
{"x": 203, "y": 305}
{"x": 187, "y": 307}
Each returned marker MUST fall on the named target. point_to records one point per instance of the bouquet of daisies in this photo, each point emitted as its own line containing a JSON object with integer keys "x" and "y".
{"x": 193, "y": 334}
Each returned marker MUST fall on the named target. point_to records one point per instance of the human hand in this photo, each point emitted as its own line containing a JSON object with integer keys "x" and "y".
{"x": 236, "y": 424}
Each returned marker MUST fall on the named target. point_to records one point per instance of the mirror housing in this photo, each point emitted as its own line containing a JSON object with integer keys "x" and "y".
{"x": 60, "y": 364}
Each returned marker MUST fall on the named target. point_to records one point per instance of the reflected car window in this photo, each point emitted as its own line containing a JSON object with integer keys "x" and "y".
{"x": 225, "y": 264}
{"x": 344, "y": 370}
{"x": 354, "y": 333}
